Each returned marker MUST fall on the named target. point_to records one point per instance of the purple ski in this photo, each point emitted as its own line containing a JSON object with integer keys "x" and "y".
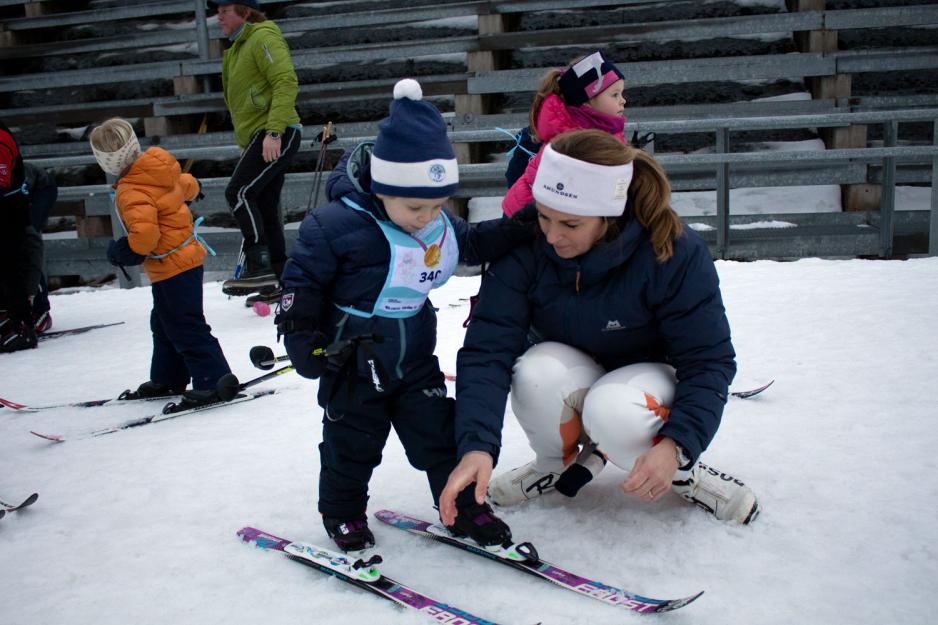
{"x": 362, "y": 574}
{"x": 523, "y": 556}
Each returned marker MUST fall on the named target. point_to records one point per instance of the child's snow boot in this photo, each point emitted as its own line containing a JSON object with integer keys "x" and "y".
{"x": 153, "y": 390}
{"x": 481, "y": 525}
{"x": 349, "y": 535}
{"x": 720, "y": 494}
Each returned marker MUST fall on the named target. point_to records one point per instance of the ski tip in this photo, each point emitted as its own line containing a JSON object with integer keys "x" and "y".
{"x": 30, "y": 500}
{"x": 2, "y": 513}
{"x": 55, "y": 438}
{"x": 12, "y": 405}
{"x": 676, "y": 604}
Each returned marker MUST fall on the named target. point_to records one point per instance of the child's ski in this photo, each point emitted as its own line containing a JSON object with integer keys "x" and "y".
{"x": 523, "y": 556}
{"x": 45, "y": 336}
{"x": 162, "y": 416}
{"x": 362, "y": 574}
{"x": 8, "y": 507}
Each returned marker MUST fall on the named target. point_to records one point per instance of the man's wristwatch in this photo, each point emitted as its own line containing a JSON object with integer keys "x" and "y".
{"x": 274, "y": 135}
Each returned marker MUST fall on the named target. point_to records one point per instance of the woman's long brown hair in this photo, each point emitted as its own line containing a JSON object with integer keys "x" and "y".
{"x": 649, "y": 193}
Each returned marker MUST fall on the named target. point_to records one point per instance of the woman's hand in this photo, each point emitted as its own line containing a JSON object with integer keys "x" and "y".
{"x": 653, "y": 472}
{"x": 475, "y": 466}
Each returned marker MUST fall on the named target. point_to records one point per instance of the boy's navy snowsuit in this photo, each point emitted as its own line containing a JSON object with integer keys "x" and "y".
{"x": 342, "y": 258}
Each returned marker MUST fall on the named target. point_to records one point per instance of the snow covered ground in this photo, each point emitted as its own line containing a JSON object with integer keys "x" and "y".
{"x": 139, "y": 526}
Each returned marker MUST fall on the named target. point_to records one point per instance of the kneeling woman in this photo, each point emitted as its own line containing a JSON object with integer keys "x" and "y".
{"x": 631, "y": 358}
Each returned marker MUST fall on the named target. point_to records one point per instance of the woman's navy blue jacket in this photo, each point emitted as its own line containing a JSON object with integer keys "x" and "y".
{"x": 342, "y": 257}
{"x": 616, "y": 303}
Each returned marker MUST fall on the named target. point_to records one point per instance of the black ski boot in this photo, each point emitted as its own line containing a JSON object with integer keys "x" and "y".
{"x": 351, "y": 535}
{"x": 19, "y": 336}
{"x": 268, "y": 296}
{"x": 257, "y": 274}
{"x": 481, "y": 525}
{"x": 196, "y": 399}
{"x": 153, "y": 390}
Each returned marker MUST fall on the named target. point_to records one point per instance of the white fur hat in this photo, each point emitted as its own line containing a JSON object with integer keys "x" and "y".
{"x": 116, "y": 161}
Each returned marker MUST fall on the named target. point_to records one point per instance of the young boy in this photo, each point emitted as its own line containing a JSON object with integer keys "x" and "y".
{"x": 152, "y": 197}
{"x": 355, "y": 313}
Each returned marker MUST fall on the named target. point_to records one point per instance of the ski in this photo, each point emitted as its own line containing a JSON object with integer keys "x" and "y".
{"x": 8, "y": 507}
{"x": 162, "y": 416}
{"x": 524, "y": 557}
{"x": 753, "y": 391}
{"x": 361, "y": 574}
{"x": 92, "y": 403}
{"x": 45, "y": 336}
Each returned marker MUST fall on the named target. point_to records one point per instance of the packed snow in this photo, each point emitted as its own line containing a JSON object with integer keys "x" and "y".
{"x": 139, "y": 526}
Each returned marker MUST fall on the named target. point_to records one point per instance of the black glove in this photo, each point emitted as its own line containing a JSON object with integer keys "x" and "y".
{"x": 641, "y": 141}
{"x": 199, "y": 196}
{"x": 119, "y": 254}
{"x": 305, "y": 349}
{"x": 296, "y": 321}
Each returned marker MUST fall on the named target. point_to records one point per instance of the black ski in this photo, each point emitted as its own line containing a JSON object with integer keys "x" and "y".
{"x": 753, "y": 391}
{"x": 45, "y": 336}
{"x": 8, "y": 507}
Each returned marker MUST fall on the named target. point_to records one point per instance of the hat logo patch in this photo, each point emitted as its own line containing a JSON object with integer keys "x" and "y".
{"x": 437, "y": 172}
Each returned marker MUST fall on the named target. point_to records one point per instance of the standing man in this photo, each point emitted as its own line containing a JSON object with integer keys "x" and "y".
{"x": 260, "y": 89}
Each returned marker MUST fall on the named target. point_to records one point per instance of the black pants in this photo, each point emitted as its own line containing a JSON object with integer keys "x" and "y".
{"x": 253, "y": 193}
{"x": 356, "y": 427}
{"x": 41, "y": 202}
{"x": 183, "y": 345}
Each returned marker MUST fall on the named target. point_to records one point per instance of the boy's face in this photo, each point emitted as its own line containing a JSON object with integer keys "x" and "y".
{"x": 411, "y": 214}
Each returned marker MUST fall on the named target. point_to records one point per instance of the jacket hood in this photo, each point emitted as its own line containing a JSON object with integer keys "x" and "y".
{"x": 351, "y": 178}
{"x": 154, "y": 168}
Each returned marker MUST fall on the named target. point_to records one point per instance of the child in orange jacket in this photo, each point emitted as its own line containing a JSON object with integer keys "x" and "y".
{"x": 152, "y": 196}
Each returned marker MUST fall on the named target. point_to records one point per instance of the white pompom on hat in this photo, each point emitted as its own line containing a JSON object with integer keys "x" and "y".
{"x": 412, "y": 155}
{"x": 579, "y": 188}
{"x": 115, "y": 145}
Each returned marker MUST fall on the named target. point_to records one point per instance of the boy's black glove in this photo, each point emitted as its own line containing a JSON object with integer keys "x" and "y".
{"x": 296, "y": 322}
{"x": 318, "y": 140}
{"x": 119, "y": 254}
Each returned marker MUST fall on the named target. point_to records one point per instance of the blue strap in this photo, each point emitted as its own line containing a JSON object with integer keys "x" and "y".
{"x": 23, "y": 189}
{"x": 516, "y": 137}
{"x": 195, "y": 236}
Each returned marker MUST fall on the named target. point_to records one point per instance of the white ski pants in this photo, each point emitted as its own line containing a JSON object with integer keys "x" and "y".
{"x": 562, "y": 398}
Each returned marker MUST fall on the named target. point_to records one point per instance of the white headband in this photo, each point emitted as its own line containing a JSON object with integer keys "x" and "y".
{"x": 572, "y": 186}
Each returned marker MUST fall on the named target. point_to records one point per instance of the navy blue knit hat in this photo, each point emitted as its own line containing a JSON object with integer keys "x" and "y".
{"x": 214, "y": 4}
{"x": 412, "y": 156}
{"x": 587, "y": 78}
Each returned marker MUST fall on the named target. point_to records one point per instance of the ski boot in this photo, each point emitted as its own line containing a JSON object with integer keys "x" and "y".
{"x": 257, "y": 273}
{"x": 479, "y": 523}
{"x": 520, "y": 484}
{"x": 350, "y": 536}
{"x": 42, "y": 322}
{"x": 18, "y": 336}
{"x": 720, "y": 494}
{"x": 153, "y": 390}
{"x": 268, "y": 296}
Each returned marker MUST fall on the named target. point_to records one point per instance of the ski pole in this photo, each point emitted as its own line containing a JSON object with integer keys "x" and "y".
{"x": 263, "y": 357}
{"x": 228, "y": 385}
{"x": 325, "y": 138}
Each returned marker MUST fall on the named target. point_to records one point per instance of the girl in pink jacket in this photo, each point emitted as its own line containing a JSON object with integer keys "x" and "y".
{"x": 587, "y": 94}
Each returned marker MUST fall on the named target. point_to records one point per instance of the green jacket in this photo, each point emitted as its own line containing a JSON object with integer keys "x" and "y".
{"x": 259, "y": 82}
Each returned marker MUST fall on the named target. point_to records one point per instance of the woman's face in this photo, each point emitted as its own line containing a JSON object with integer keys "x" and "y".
{"x": 570, "y": 235}
{"x": 611, "y": 101}
{"x": 411, "y": 213}
{"x": 229, "y": 21}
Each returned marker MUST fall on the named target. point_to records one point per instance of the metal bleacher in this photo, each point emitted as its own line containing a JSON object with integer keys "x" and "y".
{"x": 720, "y": 164}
